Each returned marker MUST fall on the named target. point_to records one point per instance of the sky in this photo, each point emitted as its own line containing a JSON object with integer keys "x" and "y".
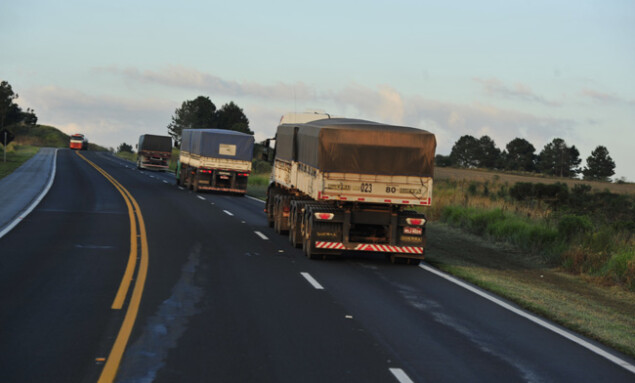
{"x": 537, "y": 70}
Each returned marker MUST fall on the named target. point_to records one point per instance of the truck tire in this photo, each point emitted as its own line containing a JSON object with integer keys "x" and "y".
{"x": 397, "y": 259}
{"x": 295, "y": 222}
{"x": 271, "y": 197}
{"x": 307, "y": 243}
{"x": 195, "y": 184}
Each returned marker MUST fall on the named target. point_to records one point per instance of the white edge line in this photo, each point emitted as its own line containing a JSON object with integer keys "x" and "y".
{"x": 228, "y": 213}
{"x": 200, "y": 197}
{"x": 28, "y": 210}
{"x": 261, "y": 235}
{"x": 572, "y": 337}
{"x": 312, "y": 281}
{"x": 255, "y": 199}
{"x": 401, "y": 376}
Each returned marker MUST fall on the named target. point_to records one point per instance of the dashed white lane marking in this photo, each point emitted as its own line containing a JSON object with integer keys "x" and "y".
{"x": 312, "y": 281}
{"x": 572, "y": 337}
{"x": 228, "y": 213}
{"x": 165, "y": 182}
{"x": 261, "y": 235}
{"x": 181, "y": 187}
{"x": 255, "y": 199}
{"x": 200, "y": 197}
{"x": 401, "y": 376}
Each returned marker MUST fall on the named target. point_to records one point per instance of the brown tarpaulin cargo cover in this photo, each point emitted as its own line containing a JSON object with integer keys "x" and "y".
{"x": 343, "y": 145}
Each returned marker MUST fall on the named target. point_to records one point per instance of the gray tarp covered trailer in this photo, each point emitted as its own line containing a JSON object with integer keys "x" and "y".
{"x": 215, "y": 159}
{"x": 155, "y": 143}
{"x": 343, "y": 185}
{"x": 218, "y": 143}
{"x": 358, "y": 146}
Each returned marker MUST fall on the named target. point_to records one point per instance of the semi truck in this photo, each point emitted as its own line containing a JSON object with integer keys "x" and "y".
{"x": 154, "y": 152}
{"x": 78, "y": 142}
{"x": 215, "y": 159}
{"x": 344, "y": 185}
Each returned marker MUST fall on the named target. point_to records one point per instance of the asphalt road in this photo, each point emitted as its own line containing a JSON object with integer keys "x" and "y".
{"x": 228, "y": 300}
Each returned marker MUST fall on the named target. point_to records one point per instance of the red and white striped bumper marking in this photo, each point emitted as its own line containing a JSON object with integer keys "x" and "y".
{"x": 329, "y": 245}
{"x": 367, "y": 247}
{"x": 390, "y": 249}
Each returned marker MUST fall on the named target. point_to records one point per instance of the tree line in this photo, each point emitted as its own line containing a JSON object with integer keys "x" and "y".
{"x": 556, "y": 158}
{"x": 10, "y": 112}
{"x": 201, "y": 113}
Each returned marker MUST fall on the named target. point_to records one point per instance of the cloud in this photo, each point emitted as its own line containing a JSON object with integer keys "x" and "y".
{"x": 105, "y": 120}
{"x": 495, "y": 87}
{"x": 604, "y": 98}
{"x": 111, "y": 120}
{"x": 186, "y": 78}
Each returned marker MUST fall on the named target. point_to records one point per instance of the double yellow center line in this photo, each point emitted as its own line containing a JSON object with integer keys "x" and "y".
{"x": 134, "y": 213}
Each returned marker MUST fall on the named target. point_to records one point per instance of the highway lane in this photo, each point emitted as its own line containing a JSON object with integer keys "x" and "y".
{"x": 226, "y": 300}
{"x": 59, "y": 271}
{"x": 434, "y": 330}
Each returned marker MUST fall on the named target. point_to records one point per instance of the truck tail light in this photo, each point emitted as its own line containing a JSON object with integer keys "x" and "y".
{"x": 243, "y": 174}
{"x": 324, "y": 216}
{"x": 413, "y": 230}
{"x": 416, "y": 221}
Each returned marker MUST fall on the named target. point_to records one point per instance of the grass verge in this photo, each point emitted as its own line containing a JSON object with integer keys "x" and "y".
{"x": 257, "y": 185}
{"x": 16, "y": 156}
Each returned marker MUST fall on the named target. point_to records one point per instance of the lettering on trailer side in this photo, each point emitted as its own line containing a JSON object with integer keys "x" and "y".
{"x": 339, "y": 186}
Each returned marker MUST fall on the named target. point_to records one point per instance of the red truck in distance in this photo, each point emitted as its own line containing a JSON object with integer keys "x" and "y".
{"x": 78, "y": 142}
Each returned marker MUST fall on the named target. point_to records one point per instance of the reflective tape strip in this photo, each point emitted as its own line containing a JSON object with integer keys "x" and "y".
{"x": 369, "y": 247}
{"x": 390, "y": 249}
{"x": 329, "y": 245}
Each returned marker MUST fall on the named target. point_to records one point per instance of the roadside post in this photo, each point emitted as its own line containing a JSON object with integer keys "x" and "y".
{"x": 7, "y": 137}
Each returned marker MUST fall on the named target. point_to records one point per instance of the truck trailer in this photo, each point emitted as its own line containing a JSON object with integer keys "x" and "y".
{"x": 215, "y": 159}
{"x": 78, "y": 142}
{"x": 154, "y": 152}
{"x": 341, "y": 184}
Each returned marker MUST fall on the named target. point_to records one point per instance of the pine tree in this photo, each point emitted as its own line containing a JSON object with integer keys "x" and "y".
{"x": 599, "y": 165}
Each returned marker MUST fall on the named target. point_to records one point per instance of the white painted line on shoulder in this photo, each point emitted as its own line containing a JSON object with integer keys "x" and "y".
{"x": 255, "y": 199}
{"x": 200, "y": 197}
{"x": 29, "y": 209}
{"x": 261, "y": 235}
{"x": 401, "y": 376}
{"x": 312, "y": 281}
{"x": 228, "y": 213}
{"x": 541, "y": 322}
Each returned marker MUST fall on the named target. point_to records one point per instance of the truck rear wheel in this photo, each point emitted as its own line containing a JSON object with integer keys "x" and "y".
{"x": 398, "y": 260}
{"x": 195, "y": 184}
{"x": 307, "y": 242}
